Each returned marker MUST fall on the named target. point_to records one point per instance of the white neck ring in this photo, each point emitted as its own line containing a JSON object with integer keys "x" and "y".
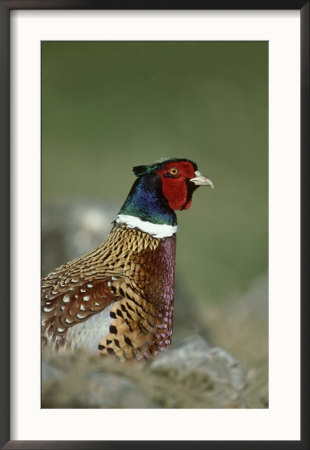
{"x": 156, "y": 230}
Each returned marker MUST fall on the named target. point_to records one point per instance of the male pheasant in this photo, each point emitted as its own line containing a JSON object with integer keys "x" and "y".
{"x": 118, "y": 298}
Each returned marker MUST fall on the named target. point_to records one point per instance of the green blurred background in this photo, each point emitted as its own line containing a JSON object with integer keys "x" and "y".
{"x": 108, "y": 106}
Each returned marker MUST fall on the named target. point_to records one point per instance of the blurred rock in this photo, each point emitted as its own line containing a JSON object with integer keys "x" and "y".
{"x": 194, "y": 375}
{"x": 71, "y": 229}
{"x": 82, "y": 380}
{"x": 221, "y": 375}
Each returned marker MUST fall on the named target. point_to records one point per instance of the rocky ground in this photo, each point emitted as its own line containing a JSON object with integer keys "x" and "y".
{"x": 191, "y": 375}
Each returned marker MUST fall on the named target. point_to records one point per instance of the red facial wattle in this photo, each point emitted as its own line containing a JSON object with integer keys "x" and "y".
{"x": 175, "y": 187}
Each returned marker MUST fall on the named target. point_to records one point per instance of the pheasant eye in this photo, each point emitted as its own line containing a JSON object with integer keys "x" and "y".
{"x": 173, "y": 171}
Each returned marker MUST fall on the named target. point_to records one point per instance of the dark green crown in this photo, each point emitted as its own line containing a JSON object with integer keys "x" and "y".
{"x": 157, "y": 165}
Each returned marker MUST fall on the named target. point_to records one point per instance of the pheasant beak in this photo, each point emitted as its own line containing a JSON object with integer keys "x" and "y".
{"x": 200, "y": 180}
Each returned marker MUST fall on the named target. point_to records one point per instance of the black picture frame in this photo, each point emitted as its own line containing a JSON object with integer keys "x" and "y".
{"x": 5, "y": 7}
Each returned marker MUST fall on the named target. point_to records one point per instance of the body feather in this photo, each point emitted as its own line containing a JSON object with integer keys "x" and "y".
{"x": 131, "y": 271}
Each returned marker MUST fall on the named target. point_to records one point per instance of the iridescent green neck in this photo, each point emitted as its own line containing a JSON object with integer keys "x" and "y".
{"x": 146, "y": 201}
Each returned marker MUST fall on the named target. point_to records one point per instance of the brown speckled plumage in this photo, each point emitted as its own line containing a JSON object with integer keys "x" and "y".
{"x": 132, "y": 270}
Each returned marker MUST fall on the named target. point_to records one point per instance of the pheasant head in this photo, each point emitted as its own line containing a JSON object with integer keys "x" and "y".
{"x": 161, "y": 189}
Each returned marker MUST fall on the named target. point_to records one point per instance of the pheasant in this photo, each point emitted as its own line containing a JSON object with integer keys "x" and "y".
{"x": 119, "y": 298}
